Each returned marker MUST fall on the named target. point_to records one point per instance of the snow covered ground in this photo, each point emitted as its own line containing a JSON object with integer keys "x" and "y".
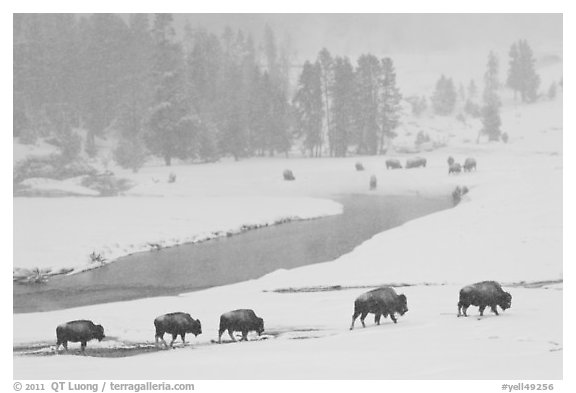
{"x": 59, "y": 233}
{"x": 508, "y": 228}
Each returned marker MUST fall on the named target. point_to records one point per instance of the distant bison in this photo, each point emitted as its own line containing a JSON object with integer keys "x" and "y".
{"x": 450, "y": 161}
{"x": 393, "y": 164}
{"x": 415, "y": 162}
{"x": 78, "y": 331}
{"x": 380, "y": 301}
{"x": 176, "y": 324}
{"x": 469, "y": 164}
{"x": 359, "y": 166}
{"x": 455, "y": 168}
{"x": 458, "y": 193}
{"x": 288, "y": 175}
{"x": 240, "y": 321}
{"x": 483, "y": 294}
{"x": 373, "y": 182}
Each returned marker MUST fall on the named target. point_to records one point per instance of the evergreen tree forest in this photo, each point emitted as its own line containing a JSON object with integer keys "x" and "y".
{"x": 191, "y": 94}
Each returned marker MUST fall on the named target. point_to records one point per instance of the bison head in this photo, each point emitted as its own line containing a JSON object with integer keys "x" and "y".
{"x": 99, "y": 333}
{"x": 506, "y": 301}
{"x": 403, "y": 304}
{"x": 195, "y": 327}
{"x": 260, "y": 326}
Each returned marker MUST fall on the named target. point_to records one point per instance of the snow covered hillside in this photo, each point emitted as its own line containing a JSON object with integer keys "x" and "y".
{"x": 508, "y": 228}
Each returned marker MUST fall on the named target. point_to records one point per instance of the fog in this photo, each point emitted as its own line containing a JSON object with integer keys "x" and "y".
{"x": 353, "y": 34}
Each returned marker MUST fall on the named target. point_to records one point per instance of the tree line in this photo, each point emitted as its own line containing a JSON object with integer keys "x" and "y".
{"x": 194, "y": 95}
{"x": 201, "y": 96}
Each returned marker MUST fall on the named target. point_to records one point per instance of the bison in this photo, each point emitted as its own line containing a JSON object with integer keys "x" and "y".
{"x": 78, "y": 331}
{"x": 373, "y": 182}
{"x": 469, "y": 164}
{"x": 176, "y": 324}
{"x": 455, "y": 168}
{"x": 483, "y": 294}
{"x": 240, "y": 321}
{"x": 380, "y": 302}
{"x": 393, "y": 164}
{"x": 288, "y": 175}
{"x": 359, "y": 166}
{"x": 450, "y": 161}
{"x": 415, "y": 162}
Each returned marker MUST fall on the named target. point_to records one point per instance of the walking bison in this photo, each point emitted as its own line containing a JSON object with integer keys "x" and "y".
{"x": 240, "y": 321}
{"x": 415, "y": 162}
{"x": 393, "y": 164}
{"x": 484, "y": 294}
{"x": 176, "y": 324}
{"x": 78, "y": 331}
{"x": 380, "y": 302}
{"x": 469, "y": 164}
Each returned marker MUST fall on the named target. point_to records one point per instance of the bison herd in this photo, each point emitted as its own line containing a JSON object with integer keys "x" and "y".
{"x": 382, "y": 302}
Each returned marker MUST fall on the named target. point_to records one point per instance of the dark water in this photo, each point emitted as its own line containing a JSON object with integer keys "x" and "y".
{"x": 228, "y": 260}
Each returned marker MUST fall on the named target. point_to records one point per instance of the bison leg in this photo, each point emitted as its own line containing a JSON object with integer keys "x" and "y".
{"x": 83, "y": 346}
{"x": 174, "y": 336}
{"x": 482, "y": 308}
{"x": 377, "y": 318}
{"x": 463, "y": 307}
{"x": 231, "y": 334}
{"x": 157, "y": 338}
{"x": 183, "y": 335}
{"x": 494, "y": 310}
{"x": 362, "y": 318}
{"x": 244, "y": 335}
{"x": 392, "y": 317}
{"x": 220, "y": 332}
{"x": 356, "y": 314}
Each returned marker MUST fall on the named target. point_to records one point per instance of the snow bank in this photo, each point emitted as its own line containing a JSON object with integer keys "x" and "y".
{"x": 63, "y": 232}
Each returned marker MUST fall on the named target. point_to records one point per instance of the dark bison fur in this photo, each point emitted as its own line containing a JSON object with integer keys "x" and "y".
{"x": 373, "y": 182}
{"x": 484, "y": 294}
{"x": 382, "y": 301}
{"x": 78, "y": 331}
{"x": 415, "y": 162}
{"x": 469, "y": 164}
{"x": 393, "y": 164}
{"x": 288, "y": 175}
{"x": 454, "y": 168}
{"x": 176, "y": 324}
{"x": 243, "y": 321}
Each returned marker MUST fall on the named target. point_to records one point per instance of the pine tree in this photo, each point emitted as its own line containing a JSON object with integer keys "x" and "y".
{"x": 342, "y": 114}
{"x": 522, "y": 75}
{"x": 308, "y": 108}
{"x": 326, "y": 64}
{"x": 491, "y": 110}
{"x": 104, "y": 71}
{"x": 172, "y": 125}
{"x": 444, "y": 97}
{"x": 368, "y": 81}
{"x": 390, "y": 102}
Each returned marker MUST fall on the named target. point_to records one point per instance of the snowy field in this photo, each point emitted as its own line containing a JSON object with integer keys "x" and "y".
{"x": 508, "y": 228}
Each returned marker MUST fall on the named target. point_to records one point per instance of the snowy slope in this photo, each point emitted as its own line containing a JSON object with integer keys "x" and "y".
{"x": 508, "y": 228}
